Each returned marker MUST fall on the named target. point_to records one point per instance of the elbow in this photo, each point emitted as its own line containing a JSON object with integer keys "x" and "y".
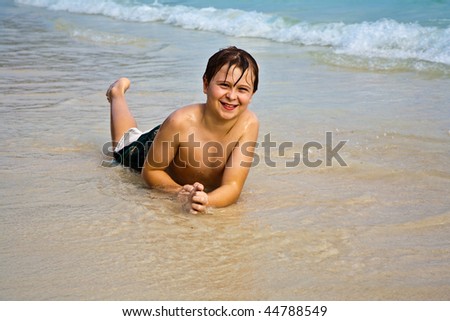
{"x": 148, "y": 177}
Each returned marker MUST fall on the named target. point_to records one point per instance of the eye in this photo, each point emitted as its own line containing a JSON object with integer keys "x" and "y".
{"x": 244, "y": 89}
{"x": 224, "y": 85}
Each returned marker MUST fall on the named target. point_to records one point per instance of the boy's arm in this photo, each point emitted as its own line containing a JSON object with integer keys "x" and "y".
{"x": 236, "y": 170}
{"x": 160, "y": 154}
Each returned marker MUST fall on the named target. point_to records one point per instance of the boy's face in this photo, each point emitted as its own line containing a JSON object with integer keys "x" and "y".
{"x": 227, "y": 97}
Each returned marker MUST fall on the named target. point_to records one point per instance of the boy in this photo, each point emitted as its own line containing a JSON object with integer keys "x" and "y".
{"x": 202, "y": 152}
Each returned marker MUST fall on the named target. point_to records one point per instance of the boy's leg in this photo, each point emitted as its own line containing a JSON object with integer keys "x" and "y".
{"x": 121, "y": 118}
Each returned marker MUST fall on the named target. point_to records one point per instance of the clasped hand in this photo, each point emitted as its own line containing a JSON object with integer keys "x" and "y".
{"x": 193, "y": 198}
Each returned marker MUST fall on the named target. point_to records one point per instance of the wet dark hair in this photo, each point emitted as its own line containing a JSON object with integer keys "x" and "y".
{"x": 233, "y": 57}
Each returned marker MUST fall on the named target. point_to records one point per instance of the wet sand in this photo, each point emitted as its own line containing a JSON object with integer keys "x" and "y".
{"x": 74, "y": 229}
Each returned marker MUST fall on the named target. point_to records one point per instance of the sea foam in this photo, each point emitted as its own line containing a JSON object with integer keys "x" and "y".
{"x": 385, "y": 38}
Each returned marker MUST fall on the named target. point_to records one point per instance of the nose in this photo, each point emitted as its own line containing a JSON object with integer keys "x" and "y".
{"x": 231, "y": 94}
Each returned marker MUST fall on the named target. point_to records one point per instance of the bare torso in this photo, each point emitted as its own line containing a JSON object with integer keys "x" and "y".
{"x": 203, "y": 154}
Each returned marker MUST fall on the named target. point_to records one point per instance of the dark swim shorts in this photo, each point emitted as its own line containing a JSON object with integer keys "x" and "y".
{"x": 133, "y": 154}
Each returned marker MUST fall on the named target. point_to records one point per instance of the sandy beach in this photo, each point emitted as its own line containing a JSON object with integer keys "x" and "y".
{"x": 74, "y": 228}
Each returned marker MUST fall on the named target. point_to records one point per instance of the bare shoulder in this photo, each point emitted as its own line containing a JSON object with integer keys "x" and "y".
{"x": 183, "y": 117}
{"x": 251, "y": 117}
{"x": 249, "y": 121}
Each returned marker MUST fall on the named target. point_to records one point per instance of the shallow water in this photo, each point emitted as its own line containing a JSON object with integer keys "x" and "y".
{"x": 73, "y": 228}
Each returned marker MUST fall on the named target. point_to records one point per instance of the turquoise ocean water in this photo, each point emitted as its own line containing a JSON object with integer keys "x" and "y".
{"x": 391, "y": 34}
{"x": 374, "y": 74}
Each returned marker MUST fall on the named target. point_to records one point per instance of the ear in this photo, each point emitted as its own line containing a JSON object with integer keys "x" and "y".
{"x": 205, "y": 85}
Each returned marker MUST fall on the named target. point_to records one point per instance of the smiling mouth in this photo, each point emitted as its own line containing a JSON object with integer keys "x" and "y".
{"x": 228, "y": 106}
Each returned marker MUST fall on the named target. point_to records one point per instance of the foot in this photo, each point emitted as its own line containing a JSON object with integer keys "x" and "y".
{"x": 118, "y": 88}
